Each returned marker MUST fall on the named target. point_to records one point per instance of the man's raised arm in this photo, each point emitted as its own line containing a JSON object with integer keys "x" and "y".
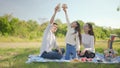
{"x": 57, "y": 8}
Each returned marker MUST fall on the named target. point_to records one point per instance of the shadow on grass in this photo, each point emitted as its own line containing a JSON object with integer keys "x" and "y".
{"x": 73, "y": 65}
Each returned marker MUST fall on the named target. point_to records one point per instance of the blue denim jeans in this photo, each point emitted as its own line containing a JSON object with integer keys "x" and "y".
{"x": 53, "y": 54}
{"x": 70, "y": 52}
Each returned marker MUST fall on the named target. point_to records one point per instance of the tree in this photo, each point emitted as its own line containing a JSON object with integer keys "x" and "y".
{"x": 5, "y": 27}
{"x": 12, "y": 26}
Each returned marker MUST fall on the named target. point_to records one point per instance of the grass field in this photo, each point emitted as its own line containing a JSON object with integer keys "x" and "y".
{"x": 15, "y": 54}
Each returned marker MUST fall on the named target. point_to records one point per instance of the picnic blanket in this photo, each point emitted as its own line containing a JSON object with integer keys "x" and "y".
{"x": 99, "y": 58}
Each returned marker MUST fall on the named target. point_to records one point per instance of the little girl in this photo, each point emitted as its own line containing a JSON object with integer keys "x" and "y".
{"x": 73, "y": 37}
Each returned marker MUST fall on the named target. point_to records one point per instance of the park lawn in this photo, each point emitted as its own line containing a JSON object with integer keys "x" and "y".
{"x": 16, "y": 57}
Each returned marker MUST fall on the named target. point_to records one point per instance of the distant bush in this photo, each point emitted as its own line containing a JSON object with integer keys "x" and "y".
{"x": 12, "y": 26}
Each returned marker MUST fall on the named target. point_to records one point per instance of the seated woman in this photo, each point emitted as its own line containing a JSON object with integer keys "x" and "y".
{"x": 88, "y": 42}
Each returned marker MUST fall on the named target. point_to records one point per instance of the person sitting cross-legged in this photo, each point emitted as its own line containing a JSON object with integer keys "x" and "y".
{"x": 49, "y": 41}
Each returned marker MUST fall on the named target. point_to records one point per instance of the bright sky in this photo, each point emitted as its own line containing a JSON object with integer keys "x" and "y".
{"x": 102, "y": 12}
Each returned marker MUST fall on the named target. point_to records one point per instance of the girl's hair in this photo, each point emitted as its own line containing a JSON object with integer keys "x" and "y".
{"x": 91, "y": 32}
{"x": 55, "y": 24}
{"x": 78, "y": 29}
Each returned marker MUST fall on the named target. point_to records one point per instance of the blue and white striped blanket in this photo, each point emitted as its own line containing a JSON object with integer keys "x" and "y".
{"x": 98, "y": 59}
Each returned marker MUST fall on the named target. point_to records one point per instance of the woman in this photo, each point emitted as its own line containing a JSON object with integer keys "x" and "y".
{"x": 73, "y": 38}
{"x": 88, "y": 40}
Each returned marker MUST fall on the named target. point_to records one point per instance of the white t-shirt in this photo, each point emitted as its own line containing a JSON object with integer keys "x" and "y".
{"x": 72, "y": 38}
{"x": 88, "y": 42}
{"x": 49, "y": 40}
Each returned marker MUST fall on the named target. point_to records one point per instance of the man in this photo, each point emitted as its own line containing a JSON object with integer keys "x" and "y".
{"x": 49, "y": 40}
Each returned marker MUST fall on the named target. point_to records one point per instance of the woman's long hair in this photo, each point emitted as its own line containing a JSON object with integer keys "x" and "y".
{"x": 91, "y": 32}
{"x": 78, "y": 29}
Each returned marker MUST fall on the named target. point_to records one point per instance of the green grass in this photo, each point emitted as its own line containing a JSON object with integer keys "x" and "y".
{"x": 16, "y": 58}
{"x": 18, "y": 39}
{"x": 14, "y": 55}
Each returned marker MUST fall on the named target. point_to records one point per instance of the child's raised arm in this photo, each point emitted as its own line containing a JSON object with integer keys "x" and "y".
{"x": 64, "y": 6}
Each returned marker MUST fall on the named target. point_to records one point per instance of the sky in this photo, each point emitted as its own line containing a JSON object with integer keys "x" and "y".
{"x": 101, "y": 12}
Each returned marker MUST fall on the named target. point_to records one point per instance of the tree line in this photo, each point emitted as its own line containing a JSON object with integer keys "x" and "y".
{"x": 12, "y": 26}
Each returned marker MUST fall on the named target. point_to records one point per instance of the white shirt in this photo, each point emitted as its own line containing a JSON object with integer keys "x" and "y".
{"x": 88, "y": 42}
{"x": 49, "y": 40}
{"x": 72, "y": 38}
